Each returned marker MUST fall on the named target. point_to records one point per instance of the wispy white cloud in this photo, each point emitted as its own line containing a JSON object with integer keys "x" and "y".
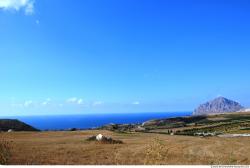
{"x": 80, "y": 101}
{"x": 28, "y": 103}
{"x": 97, "y": 103}
{"x": 75, "y": 100}
{"x": 17, "y": 105}
{"x": 71, "y": 100}
{"x": 46, "y": 102}
{"x": 17, "y": 5}
{"x": 136, "y": 103}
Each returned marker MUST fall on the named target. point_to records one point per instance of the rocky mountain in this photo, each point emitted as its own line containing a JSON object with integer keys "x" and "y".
{"x": 218, "y": 105}
{"x": 15, "y": 125}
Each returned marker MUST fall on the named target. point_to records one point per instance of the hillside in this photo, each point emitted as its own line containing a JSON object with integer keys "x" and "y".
{"x": 192, "y": 125}
{"x": 15, "y": 125}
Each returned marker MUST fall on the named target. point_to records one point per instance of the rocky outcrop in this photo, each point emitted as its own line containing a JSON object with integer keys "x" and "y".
{"x": 103, "y": 139}
{"x": 15, "y": 125}
{"x": 218, "y": 105}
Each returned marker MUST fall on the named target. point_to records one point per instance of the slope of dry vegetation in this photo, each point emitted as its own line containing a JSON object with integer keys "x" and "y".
{"x": 215, "y": 124}
{"x": 138, "y": 149}
{"x": 5, "y": 152}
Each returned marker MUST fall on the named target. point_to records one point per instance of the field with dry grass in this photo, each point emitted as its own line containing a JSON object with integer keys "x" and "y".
{"x": 71, "y": 148}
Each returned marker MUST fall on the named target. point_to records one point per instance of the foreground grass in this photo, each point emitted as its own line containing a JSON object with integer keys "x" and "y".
{"x": 71, "y": 148}
{"x": 5, "y": 152}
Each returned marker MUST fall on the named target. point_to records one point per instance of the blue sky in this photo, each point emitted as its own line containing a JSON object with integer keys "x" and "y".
{"x": 94, "y": 56}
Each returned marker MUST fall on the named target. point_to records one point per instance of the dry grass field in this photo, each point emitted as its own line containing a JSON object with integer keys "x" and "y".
{"x": 71, "y": 148}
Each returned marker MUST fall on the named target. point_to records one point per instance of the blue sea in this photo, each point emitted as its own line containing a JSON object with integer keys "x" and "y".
{"x": 86, "y": 121}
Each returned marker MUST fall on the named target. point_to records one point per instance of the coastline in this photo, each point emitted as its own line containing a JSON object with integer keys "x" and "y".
{"x": 91, "y": 121}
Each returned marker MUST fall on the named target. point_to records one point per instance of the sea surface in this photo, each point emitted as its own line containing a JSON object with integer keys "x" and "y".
{"x": 86, "y": 121}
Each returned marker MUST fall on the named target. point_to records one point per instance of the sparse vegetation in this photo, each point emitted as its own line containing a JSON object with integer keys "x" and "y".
{"x": 5, "y": 152}
{"x": 156, "y": 153}
{"x": 67, "y": 148}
